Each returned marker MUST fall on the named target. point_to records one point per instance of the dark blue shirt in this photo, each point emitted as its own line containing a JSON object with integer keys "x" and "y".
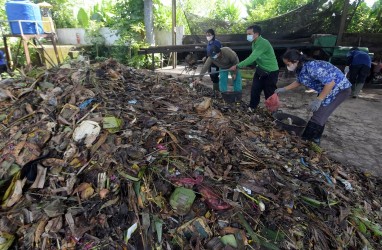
{"x": 2, "y": 58}
{"x": 358, "y": 57}
{"x": 211, "y": 44}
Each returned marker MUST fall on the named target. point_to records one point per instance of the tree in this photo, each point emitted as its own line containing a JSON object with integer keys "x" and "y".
{"x": 259, "y": 10}
{"x": 226, "y": 11}
{"x": 148, "y": 19}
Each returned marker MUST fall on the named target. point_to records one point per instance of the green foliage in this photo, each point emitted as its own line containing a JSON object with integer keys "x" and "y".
{"x": 226, "y": 11}
{"x": 162, "y": 16}
{"x": 259, "y": 10}
{"x": 129, "y": 20}
{"x": 62, "y": 13}
{"x": 83, "y": 18}
{"x": 103, "y": 13}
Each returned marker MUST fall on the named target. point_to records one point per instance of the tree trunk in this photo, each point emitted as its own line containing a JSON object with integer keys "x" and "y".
{"x": 149, "y": 25}
{"x": 343, "y": 22}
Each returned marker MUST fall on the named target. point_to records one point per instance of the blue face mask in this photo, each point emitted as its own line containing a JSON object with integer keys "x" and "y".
{"x": 250, "y": 38}
{"x": 215, "y": 56}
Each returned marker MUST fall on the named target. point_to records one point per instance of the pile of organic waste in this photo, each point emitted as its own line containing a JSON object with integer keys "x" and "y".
{"x": 103, "y": 156}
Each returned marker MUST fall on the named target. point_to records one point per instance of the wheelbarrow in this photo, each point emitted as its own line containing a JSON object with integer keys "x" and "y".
{"x": 292, "y": 124}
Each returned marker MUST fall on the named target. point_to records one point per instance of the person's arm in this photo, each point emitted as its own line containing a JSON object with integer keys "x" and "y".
{"x": 293, "y": 85}
{"x": 326, "y": 90}
{"x": 256, "y": 53}
{"x": 205, "y": 68}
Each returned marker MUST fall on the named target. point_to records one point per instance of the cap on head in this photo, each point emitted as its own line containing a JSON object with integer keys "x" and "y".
{"x": 215, "y": 50}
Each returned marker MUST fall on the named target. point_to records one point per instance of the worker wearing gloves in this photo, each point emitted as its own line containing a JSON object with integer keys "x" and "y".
{"x": 359, "y": 69}
{"x": 212, "y": 41}
{"x": 330, "y": 83}
{"x": 224, "y": 58}
{"x": 267, "y": 70}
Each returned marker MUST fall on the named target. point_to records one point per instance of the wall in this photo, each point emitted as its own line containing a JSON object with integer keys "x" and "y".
{"x": 68, "y": 36}
{"x": 163, "y": 37}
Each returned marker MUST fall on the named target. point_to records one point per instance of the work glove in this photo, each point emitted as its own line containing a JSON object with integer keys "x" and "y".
{"x": 346, "y": 70}
{"x": 314, "y": 105}
{"x": 280, "y": 90}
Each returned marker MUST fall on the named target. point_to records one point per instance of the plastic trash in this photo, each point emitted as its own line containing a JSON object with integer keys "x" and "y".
{"x": 182, "y": 199}
{"x": 230, "y": 240}
{"x": 112, "y": 124}
{"x": 86, "y": 103}
{"x": 87, "y": 131}
{"x": 272, "y": 103}
{"x": 347, "y": 184}
{"x": 197, "y": 227}
{"x": 132, "y": 101}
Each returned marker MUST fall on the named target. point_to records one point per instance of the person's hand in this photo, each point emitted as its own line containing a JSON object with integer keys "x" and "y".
{"x": 234, "y": 76}
{"x": 280, "y": 90}
{"x": 195, "y": 83}
{"x": 233, "y": 68}
{"x": 314, "y": 105}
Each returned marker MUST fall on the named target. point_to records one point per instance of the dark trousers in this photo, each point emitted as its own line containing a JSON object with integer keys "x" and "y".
{"x": 214, "y": 76}
{"x": 263, "y": 81}
{"x": 322, "y": 114}
{"x": 3, "y": 68}
{"x": 358, "y": 73}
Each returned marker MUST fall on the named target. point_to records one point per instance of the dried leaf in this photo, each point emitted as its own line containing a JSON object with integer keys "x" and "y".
{"x": 39, "y": 230}
{"x": 87, "y": 193}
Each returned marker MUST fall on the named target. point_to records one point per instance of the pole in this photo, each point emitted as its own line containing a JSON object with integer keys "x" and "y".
{"x": 174, "y": 55}
{"x": 343, "y": 22}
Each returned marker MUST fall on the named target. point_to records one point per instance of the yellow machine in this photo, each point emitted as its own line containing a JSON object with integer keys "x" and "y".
{"x": 46, "y": 15}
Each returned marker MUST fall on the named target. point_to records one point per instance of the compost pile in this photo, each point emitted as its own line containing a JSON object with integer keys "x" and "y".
{"x": 102, "y": 156}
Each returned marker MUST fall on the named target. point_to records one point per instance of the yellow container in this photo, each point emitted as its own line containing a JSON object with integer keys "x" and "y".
{"x": 46, "y": 15}
{"x": 47, "y": 24}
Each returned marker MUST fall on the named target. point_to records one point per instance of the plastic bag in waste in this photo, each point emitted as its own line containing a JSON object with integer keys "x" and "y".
{"x": 272, "y": 103}
{"x": 87, "y": 130}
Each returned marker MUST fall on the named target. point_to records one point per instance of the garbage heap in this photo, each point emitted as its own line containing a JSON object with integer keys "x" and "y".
{"x": 102, "y": 156}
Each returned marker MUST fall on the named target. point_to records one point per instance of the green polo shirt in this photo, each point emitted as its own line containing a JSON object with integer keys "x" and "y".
{"x": 262, "y": 54}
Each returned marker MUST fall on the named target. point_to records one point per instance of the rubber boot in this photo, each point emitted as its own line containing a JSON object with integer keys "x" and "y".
{"x": 215, "y": 86}
{"x": 313, "y": 132}
{"x": 357, "y": 89}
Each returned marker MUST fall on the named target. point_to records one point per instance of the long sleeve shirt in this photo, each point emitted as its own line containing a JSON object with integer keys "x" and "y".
{"x": 226, "y": 60}
{"x": 262, "y": 54}
{"x": 317, "y": 74}
{"x": 358, "y": 57}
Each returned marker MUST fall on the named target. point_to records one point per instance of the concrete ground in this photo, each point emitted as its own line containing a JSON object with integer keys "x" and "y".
{"x": 353, "y": 134}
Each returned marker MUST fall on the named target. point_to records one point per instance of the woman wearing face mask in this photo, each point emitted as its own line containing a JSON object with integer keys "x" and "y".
{"x": 331, "y": 84}
{"x": 224, "y": 58}
{"x": 267, "y": 69}
{"x": 212, "y": 41}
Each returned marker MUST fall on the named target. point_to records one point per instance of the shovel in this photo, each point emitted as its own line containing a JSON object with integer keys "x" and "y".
{"x": 216, "y": 72}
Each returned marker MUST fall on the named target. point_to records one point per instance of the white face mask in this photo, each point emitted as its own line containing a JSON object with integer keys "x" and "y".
{"x": 215, "y": 56}
{"x": 209, "y": 38}
{"x": 292, "y": 67}
{"x": 250, "y": 38}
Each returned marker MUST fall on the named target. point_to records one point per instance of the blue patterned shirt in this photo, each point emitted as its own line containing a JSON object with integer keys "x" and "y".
{"x": 317, "y": 74}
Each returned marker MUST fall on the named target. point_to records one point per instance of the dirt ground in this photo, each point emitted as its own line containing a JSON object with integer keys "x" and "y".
{"x": 353, "y": 133}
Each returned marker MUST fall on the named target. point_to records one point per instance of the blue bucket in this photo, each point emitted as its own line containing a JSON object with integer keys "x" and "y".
{"x": 24, "y": 10}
